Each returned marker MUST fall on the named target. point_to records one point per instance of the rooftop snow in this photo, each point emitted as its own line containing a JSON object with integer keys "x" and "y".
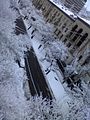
{"x": 64, "y": 9}
{"x": 85, "y": 20}
{"x": 68, "y": 12}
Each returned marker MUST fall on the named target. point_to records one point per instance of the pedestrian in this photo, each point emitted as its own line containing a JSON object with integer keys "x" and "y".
{"x": 26, "y": 17}
{"x": 32, "y": 37}
{"x": 39, "y": 46}
{"x": 48, "y": 72}
{"x": 29, "y": 27}
{"x": 56, "y": 78}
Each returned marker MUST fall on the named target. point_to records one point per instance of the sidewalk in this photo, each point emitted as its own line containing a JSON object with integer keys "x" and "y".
{"x": 53, "y": 79}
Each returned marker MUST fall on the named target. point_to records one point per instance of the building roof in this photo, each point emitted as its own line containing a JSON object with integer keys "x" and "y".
{"x": 69, "y": 13}
{"x": 85, "y": 21}
{"x": 64, "y": 9}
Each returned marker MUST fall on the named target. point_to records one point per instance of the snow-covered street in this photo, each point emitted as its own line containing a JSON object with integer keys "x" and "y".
{"x": 12, "y": 99}
{"x": 40, "y": 29}
{"x": 14, "y": 89}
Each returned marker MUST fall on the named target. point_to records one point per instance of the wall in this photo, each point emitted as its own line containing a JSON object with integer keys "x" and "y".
{"x": 74, "y": 33}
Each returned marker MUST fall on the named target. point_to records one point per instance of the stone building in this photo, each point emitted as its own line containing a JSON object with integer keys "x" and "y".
{"x": 78, "y": 38}
{"x": 58, "y": 17}
{"x": 74, "y": 5}
{"x": 72, "y": 30}
{"x": 78, "y": 42}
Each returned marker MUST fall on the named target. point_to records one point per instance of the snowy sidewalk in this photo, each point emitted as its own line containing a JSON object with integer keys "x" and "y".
{"x": 53, "y": 79}
{"x": 55, "y": 85}
{"x": 35, "y": 30}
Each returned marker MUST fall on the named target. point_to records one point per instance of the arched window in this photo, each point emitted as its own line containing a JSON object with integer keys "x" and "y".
{"x": 80, "y": 30}
{"x": 58, "y": 20}
{"x": 61, "y": 36}
{"x": 73, "y": 29}
{"x": 80, "y": 57}
{"x": 65, "y": 40}
{"x": 64, "y": 25}
{"x": 77, "y": 34}
{"x": 58, "y": 33}
{"x": 69, "y": 44}
{"x": 87, "y": 60}
{"x": 82, "y": 39}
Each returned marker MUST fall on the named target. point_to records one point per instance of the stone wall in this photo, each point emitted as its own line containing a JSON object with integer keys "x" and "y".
{"x": 74, "y": 33}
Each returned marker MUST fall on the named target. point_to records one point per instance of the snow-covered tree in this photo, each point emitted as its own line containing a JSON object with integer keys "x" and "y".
{"x": 43, "y": 109}
{"x": 72, "y": 68}
{"x": 77, "y": 111}
{"x": 55, "y": 48}
{"x": 58, "y": 50}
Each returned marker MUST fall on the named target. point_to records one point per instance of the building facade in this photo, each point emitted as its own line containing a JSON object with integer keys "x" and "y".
{"x": 74, "y": 32}
{"x": 55, "y": 16}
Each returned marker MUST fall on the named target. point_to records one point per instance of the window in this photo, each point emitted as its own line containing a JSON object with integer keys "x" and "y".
{"x": 77, "y": 34}
{"x": 86, "y": 61}
{"x": 58, "y": 14}
{"x": 53, "y": 16}
{"x": 59, "y": 19}
{"x": 69, "y": 44}
{"x": 82, "y": 39}
{"x": 61, "y": 36}
{"x": 55, "y": 30}
{"x": 66, "y": 30}
{"x": 65, "y": 40}
{"x": 63, "y": 26}
{"x": 73, "y": 29}
{"x": 58, "y": 33}
{"x": 80, "y": 57}
{"x": 48, "y": 12}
